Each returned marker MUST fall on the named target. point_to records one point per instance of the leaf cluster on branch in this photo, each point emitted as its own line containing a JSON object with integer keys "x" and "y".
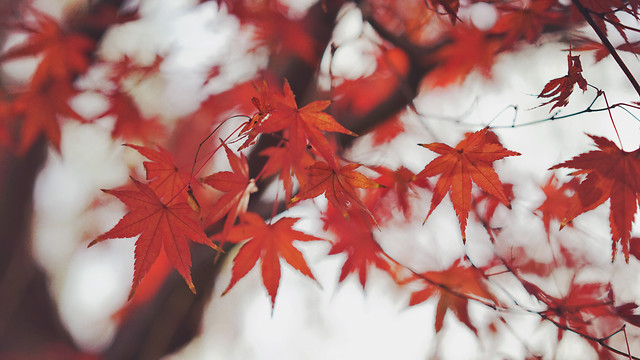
{"x": 209, "y": 175}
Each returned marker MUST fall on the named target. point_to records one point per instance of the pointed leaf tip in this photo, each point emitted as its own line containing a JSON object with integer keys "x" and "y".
{"x": 132, "y": 292}
{"x": 192, "y": 287}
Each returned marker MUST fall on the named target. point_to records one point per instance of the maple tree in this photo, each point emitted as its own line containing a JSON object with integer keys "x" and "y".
{"x": 229, "y": 164}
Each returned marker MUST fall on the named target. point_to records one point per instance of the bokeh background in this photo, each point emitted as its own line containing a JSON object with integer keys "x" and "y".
{"x": 323, "y": 319}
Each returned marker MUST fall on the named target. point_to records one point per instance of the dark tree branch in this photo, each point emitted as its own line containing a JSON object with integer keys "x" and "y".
{"x": 28, "y": 316}
{"x": 605, "y": 41}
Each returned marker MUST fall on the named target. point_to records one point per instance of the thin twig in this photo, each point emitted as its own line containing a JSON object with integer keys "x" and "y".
{"x": 626, "y": 340}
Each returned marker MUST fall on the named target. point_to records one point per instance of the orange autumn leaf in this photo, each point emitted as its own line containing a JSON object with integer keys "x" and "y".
{"x": 165, "y": 178}
{"x": 284, "y": 162}
{"x": 354, "y": 238}
{"x": 283, "y": 35}
{"x": 527, "y": 21}
{"x": 357, "y": 97}
{"x": 268, "y": 243}
{"x": 490, "y": 203}
{"x": 40, "y": 110}
{"x": 455, "y": 286}
{"x": 387, "y": 131}
{"x": 556, "y": 201}
{"x": 398, "y": 187}
{"x": 470, "y": 161}
{"x": 64, "y": 54}
{"x": 454, "y": 62}
{"x": 127, "y": 66}
{"x": 237, "y": 187}
{"x": 589, "y": 308}
{"x": 611, "y": 173}
{"x": 302, "y": 124}
{"x": 263, "y": 104}
{"x": 160, "y": 226}
{"x": 148, "y": 288}
{"x": 410, "y": 19}
{"x": 338, "y": 186}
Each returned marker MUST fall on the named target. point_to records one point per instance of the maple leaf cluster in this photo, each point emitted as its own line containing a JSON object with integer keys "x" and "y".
{"x": 65, "y": 55}
{"x": 172, "y": 206}
{"x": 293, "y": 135}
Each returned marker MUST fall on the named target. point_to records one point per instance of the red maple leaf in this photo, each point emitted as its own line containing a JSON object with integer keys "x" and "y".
{"x": 263, "y": 104}
{"x": 166, "y": 179}
{"x": 471, "y": 160}
{"x": 587, "y": 308}
{"x": 454, "y": 62}
{"x": 490, "y": 202}
{"x": 237, "y": 186}
{"x": 410, "y": 19}
{"x": 285, "y": 162}
{"x": 337, "y": 184}
{"x": 527, "y": 21}
{"x": 398, "y": 186}
{"x": 64, "y": 54}
{"x": 148, "y": 288}
{"x": 302, "y": 125}
{"x": 387, "y": 131}
{"x": 601, "y": 51}
{"x": 611, "y": 173}
{"x": 160, "y": 226}
{"x": 561, "y": 88}
{"x": 357, "y": 97}
{"x": 604, "y": 12}
{"x": 283, "y": 35}
{"x": 521, "y": 261}
{"x": 556, "y": 201}
{"x": 354, "y": 237}
{"x": 40, "y": 109}
{"x": 127, "y": 67}
{"x": 267, "y": 243}
{"x": 634, "y": 247}
{"x": 455, "y": 287}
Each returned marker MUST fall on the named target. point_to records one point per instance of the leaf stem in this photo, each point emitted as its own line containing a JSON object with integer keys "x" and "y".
{"x": 626, "y": 340}
{"x": 611, "y": 117}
